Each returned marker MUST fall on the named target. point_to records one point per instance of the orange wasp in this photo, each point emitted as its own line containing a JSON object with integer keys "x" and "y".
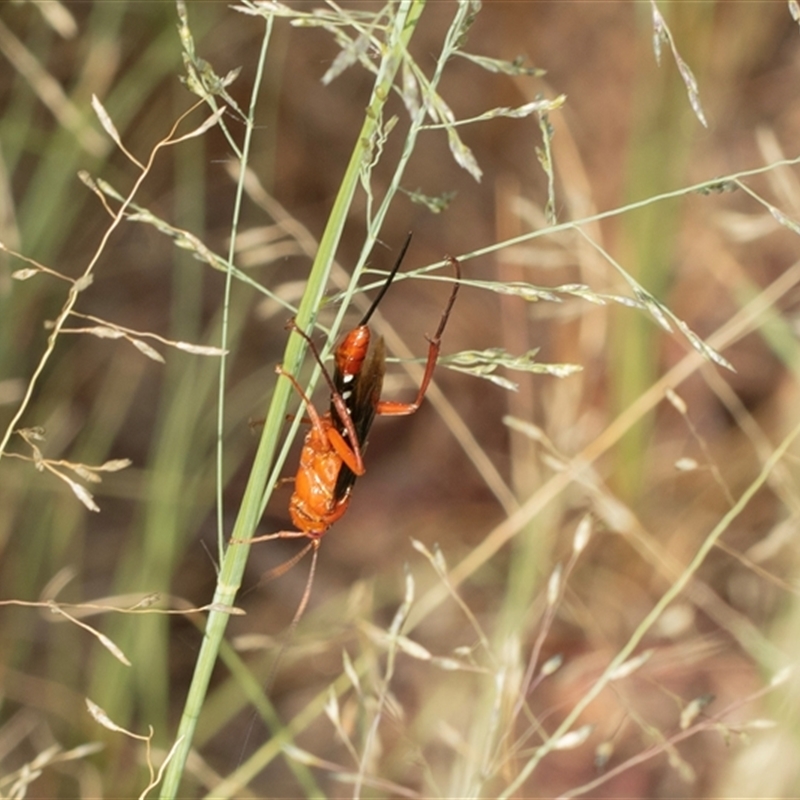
{"x": 333, "y": 451}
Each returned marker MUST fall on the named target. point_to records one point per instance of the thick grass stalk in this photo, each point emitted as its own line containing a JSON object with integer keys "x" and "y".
{"x": 235, "y": 559}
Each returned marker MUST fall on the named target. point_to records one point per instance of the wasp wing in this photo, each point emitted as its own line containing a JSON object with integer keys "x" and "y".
{"x": 361, "y": 394}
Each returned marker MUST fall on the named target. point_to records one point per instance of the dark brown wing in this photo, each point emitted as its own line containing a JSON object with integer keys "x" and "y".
{"x": 361, "y": 395}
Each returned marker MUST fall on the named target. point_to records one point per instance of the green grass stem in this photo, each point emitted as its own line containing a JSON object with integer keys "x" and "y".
{"x": 258, "y": 486}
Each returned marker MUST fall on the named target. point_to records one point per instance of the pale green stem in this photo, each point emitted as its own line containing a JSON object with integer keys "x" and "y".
{"x": 235, "y": 559}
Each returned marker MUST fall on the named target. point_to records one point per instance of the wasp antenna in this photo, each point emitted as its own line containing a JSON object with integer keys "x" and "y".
{"x": 389, "y": 280}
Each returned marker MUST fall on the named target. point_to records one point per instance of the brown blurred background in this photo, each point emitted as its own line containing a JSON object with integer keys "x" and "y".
{"x": 626, "y": 133}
